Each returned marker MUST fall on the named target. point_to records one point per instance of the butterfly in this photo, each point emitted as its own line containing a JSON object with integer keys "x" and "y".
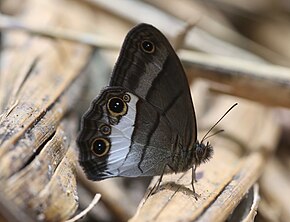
{"x": 143, "y": 123}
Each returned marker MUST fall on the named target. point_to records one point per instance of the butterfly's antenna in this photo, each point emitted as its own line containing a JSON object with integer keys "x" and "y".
{"x": 205, "y": 136}
{"x": 215, "y": 133}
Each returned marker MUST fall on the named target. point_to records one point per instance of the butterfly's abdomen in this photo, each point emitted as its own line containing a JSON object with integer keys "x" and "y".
{"x": 183, "y": 156}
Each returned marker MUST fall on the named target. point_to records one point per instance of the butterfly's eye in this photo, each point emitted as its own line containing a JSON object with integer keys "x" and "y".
{"x": 105, "y": 130}
{"x": 116, "y": 106}
{"x": 147, "y": 46}
{"x": 100, "y": 147}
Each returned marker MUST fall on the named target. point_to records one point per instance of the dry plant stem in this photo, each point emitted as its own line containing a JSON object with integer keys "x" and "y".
{"x": 197, "y": 38}
{"x": 254, "y": 206}
{"x": 9, "y": 23}
{"x": 274, "y": 35}
{"x": 264, "y": 83}
{"x": 112, "y": 196}
{"x": 51, "y": 170}
{"x": 85, "y": 211}
{"x": 11, "y": 7}
{"x": 215, "y": 23}
{"x": 249, "y": 172}
{"x": 40, "y": 83}
{"x": 275, "y": 187}
{"x": 11, "y": 212}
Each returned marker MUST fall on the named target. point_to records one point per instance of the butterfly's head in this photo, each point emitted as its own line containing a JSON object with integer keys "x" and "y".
{"x": 203, "y": 152}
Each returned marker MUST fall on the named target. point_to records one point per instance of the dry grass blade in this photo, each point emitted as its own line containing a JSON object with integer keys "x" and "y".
{"x": 241, "y": 78}
{"x": 196, "y": 39}
{"x": 85, "y": 211}
{"x": 215, "y": 23}
{"x": 8, "y": 23}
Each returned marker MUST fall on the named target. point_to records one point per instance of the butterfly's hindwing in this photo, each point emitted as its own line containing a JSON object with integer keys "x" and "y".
{"x": 140, "y": 142}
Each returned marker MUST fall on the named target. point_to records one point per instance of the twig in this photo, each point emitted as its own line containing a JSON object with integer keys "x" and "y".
{"x": 8, "y": 23}
{"x": 85, "y": 211}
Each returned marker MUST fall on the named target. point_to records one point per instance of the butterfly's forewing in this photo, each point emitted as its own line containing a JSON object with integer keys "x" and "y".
{"x": 157, "y": 121}
{"x": 157, "y": 77}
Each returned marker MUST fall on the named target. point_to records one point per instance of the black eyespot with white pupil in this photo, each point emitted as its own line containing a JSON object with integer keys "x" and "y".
{"x": 117, "y": 106}
{"x": 147, "y": 46}
{"x": 100, "y": 147}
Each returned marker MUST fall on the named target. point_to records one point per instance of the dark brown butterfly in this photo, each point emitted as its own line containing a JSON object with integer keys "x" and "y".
{"x": 143, "y": 123}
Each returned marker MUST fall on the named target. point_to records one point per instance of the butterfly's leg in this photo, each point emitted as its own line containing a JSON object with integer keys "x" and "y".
{"x": 159, "y": 180}
{"x": 193, "y": 174}
{"x": 193, "y": 180}
{"x": 157, "y": 185}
